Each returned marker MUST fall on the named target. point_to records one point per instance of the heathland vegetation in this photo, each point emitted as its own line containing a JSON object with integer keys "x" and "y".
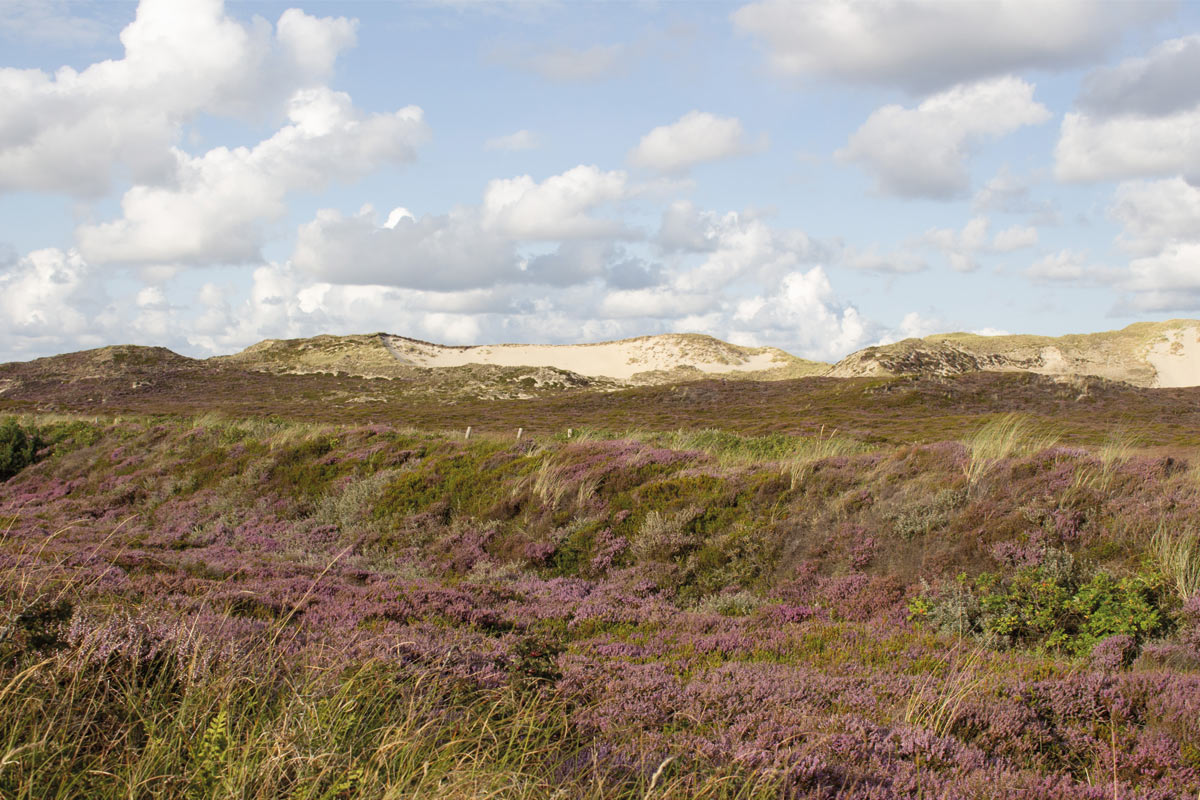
{"x": 223, "y": 580}
{"x": 216, "y": 606}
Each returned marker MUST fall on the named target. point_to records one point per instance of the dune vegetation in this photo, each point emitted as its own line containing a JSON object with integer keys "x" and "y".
{"x": 223, "y": 607}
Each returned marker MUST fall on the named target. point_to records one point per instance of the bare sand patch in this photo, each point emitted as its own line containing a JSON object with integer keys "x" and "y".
{"x": 1176, "y": 358}
{"x": 620, "y": 360}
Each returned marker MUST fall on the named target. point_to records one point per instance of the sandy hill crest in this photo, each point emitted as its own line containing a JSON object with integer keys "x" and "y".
{"x": 1147, "y": 354}
{"x": 644, "y": 359}
{"x": 638, "y": 361}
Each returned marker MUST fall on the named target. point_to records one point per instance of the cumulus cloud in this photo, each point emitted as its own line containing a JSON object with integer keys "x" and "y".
{"x": 924, "y": 45}
{"x": 1064, "y": 266}
{"x": 1138, "y": 119}
{"x": 51, "y": 301}
{"x": 445, "y": 252}
{"x": 1159, "y": 83}
{"x": 960, "y": 247}
{"x": 1155, "y": 214}
{"x": 521, "y": 140}
{"x": 480, "y": 246}
{"x": 71, "y": 131}
{"x": 1014, "y": 238}
{"x": 557, "y": 208}
{"x": 1128, "y": 146}
{"x": 695, "y": 138}
{"x": 1166, "y": 281}
{"x": 1161, "y": 226}
{"x": 685, "y": 228}
{"x": 923, "y": 151}
{"x": 214, "y": 209}
{"x": 1006, "y": 193}
{"x": 804, "y": 313}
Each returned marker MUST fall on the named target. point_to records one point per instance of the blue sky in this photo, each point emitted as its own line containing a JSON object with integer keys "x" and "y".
{"x": 816, "y": 176}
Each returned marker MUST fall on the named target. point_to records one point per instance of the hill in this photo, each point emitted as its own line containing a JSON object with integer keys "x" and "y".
{"x": 1146, "y": 354}
{"x": 642, "y": 360}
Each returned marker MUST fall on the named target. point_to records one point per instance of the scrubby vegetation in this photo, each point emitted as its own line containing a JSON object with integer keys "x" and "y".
{"x": 216, "y": 607}
{"x": 18, "y": 447}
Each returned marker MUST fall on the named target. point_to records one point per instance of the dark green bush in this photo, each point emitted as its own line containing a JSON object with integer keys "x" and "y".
{"x": 1057, "y": 605}
{"x": 18, "y": 448}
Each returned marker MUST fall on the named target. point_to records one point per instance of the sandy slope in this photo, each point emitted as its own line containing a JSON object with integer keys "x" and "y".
{"x": 1150, "y": 354}
{"x": 621, "y": 359}
{"x": 1176, "y": 359}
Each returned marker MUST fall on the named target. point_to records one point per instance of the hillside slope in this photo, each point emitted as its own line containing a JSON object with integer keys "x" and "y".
{"x": 639, "y": 361}
{"x": 1146, "y": 354}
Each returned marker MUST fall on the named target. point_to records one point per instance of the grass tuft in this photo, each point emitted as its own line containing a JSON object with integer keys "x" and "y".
{"x": 1004, "y": 437}
{"x": 1178, "y": 556}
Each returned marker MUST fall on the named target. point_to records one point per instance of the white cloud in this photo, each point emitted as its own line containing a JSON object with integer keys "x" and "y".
{"x": 1128, "y": 146}
{"x": 1166, "y": 281}
{"x": 477, "y": 246}
{"x": 1065, "y": 265}
{"x": 1160, "y": 83}
{"x": 557, "y": 208}
{"x": 960, "y": 247}
{"x": 447, "y": 252}
{"x": 1138, "y": 119}
{"x": 685, "y": 228}
{"x": 912, "y": 326}
{"x": 1014, "y": 238}
{"x": 923, "y": 151}
{"x": 521, "y": 140}
{"x": 1006, "y": 193}
{"x": 695, "y": 138}
{"x": 72, "y": 131}
{"x": 215, "y": 208}
{"x": 803, "y": 315}
{"x": 1155, "y": 214}
{"x": 923, "y": 45}
{"x": 745, "y": 249}
{"x": 1173, "y": 269}
{"x": 51, "y": 301}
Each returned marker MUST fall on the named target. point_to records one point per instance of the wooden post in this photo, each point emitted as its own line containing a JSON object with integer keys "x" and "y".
{"x": 468, "y": 436}
{"x": 519, "y": 432}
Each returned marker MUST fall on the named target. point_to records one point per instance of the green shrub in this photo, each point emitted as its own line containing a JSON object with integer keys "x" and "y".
{"x": 18, "y": 448}
{"x": 1057, "y": 605}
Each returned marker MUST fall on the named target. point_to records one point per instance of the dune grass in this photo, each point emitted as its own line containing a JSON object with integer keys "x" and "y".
{"x": 1178, "y": 555}
{"x": 1003, "y": 437}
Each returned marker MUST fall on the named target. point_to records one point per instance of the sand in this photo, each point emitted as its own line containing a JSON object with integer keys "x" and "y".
{"x": 619, "y": 360}
{"x": 1177, "y": 358}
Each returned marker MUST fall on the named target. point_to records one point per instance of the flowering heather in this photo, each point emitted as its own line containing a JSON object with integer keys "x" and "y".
{"x": 216, "y": 609}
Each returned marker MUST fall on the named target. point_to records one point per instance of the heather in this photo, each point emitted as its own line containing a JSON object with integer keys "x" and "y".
{"x": 252, "y": 607}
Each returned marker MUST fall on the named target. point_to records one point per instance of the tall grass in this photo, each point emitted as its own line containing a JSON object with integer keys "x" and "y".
{"x": 81, "y": 720}
{"x": 1003, "y": 437}
{"x": 1178, "y": 556}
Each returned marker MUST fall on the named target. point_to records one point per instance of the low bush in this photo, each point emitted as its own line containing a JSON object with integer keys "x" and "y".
{"x": 18, "y": 447}
{"x": 1057, "y": 605}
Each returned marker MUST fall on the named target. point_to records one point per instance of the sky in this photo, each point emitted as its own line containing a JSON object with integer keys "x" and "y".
{"x": 817, "y": 176}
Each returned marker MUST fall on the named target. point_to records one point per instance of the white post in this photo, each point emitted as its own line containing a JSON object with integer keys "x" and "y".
{"x": 569, "y": 432}
{"x": 468, "y": 436}
{"x": 519, "y": 432}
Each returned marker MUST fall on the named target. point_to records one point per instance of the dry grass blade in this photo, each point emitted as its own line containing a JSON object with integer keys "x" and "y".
{"x": 1178, "y": 555}
{"x": 1004, "y": 437}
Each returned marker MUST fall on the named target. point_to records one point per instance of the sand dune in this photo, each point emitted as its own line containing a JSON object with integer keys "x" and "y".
{"x": 620, "y": 359}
